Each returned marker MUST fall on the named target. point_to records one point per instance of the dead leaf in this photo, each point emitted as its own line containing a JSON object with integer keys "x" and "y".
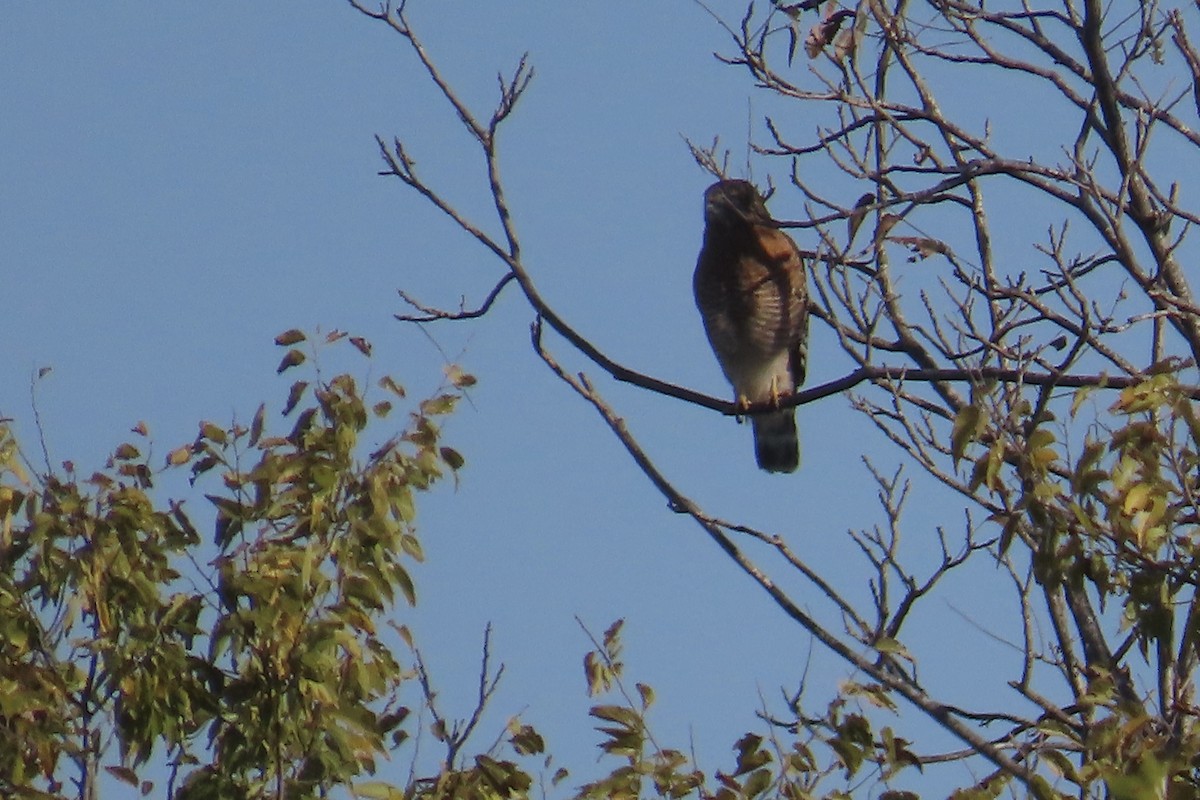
{"x": 922, "y": 247}
{"x": 823, "y": 32}
{"x": 857, "y": 216}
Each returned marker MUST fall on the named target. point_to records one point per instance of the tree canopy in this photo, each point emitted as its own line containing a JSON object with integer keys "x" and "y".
{"x": 995, "y": 229}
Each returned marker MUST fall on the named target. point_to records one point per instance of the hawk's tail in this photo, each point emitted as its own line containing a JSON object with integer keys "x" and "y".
{"x": 776, "y": 444}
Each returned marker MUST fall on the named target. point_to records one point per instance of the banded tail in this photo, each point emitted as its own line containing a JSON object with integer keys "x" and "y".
{"x": 776, "y": 443}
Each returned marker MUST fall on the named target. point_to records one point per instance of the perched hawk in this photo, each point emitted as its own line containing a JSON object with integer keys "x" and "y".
{"x": 750, "y": 289}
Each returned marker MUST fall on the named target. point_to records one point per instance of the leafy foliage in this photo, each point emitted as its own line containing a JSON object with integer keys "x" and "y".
{"x": 256, "y": 661}
{"x": 254, "y": 658}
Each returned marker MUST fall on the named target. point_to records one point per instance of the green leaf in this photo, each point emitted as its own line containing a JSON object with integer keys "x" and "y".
{"x": 1081, "y": 396}
{"x": 527, "y": 741}
{"x": 412, "y": 546}
{"x": 1011, "y": 523}
{"x": 750, "y": 756}
{"x": 619, "y": 714}
{"x": 1145, "y": 781}
{"x": 757, "y": 783}
{"x": 994, "y": 461}
{"x": 850, "y": 754}
{"x": 968, "y": 424}
{"x": 885, "y": 644}
{"x": 401, "y": 578}
{"x": 1061, "y": 764}
{"x": 436, "y": 406}
{"x": 1041, "y": 790}
{"x": 402, "y": 504}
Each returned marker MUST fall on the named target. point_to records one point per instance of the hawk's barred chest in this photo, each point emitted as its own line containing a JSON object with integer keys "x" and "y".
{"x": 748, "y": 289}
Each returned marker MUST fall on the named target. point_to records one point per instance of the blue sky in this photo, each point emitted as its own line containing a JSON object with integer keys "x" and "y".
{"x": 181, "y": 182}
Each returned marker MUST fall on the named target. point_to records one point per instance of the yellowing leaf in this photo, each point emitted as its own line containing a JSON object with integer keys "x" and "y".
{"x": 291, "y": 359}
{"x": 458, "y": 378}
{"x": 387, "y": 382}
{"x": 886, "y": 644}
{"x": 290, "y": 337}
{"x": 377, "y": 790}
{"x": 855, "y": 220}
{"x": 1137, "y": 499}
{"x": 212, "y": 432}
{"x": 1081, "y": 396}
{"x": 886, "y": 223}
{"x": 995, "y": 459}
{"x": 967, "y": 426}
{"x": 1041, "y": 437}
{"x": 126, "y": 452}
{"x": 823, "y": 32}
{"x": 922, "y": 247}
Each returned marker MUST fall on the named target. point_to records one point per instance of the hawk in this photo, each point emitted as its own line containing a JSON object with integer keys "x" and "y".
{"x": 751, "y": 291}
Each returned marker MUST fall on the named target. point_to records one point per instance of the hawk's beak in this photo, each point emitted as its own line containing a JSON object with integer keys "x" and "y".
{"x": 718, "y": 206}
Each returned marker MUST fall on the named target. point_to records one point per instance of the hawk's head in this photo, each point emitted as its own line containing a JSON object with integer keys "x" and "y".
{"x": 734, "y": 204}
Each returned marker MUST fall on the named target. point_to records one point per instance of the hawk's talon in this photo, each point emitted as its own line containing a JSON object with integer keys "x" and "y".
{"x": 742, "y": 404}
